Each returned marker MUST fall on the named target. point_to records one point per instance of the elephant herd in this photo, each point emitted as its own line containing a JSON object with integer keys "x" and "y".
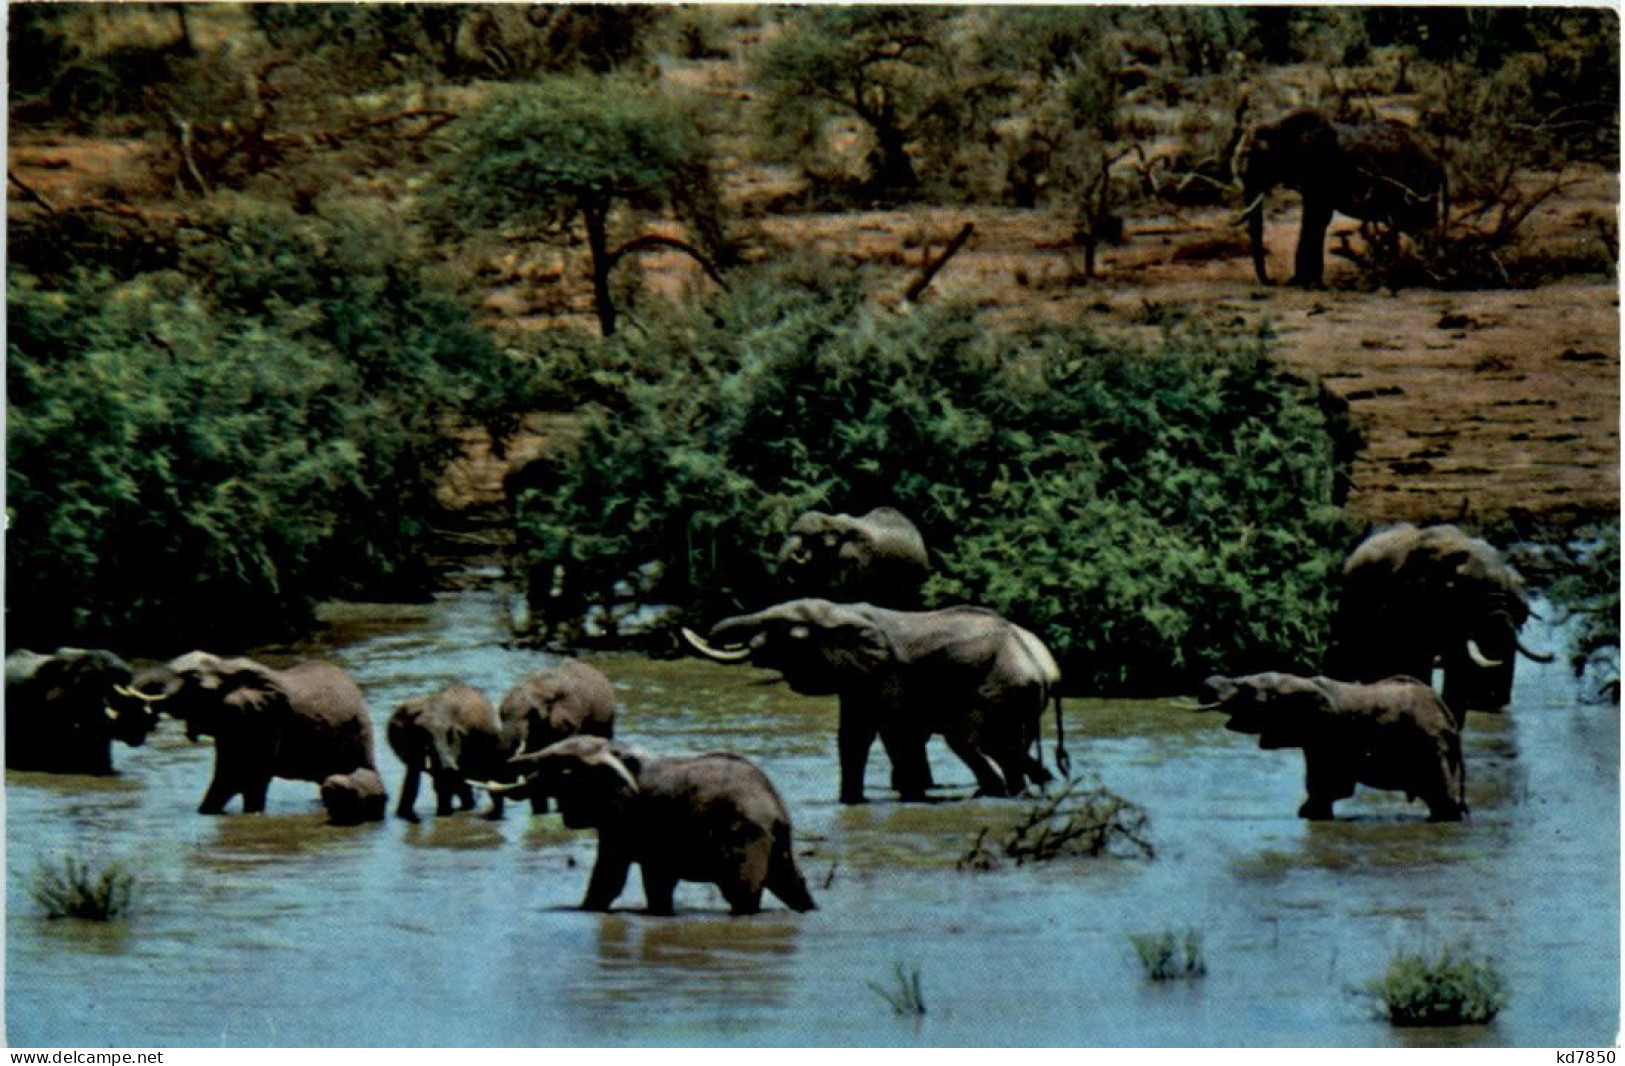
{"x": 1411, "y": 597}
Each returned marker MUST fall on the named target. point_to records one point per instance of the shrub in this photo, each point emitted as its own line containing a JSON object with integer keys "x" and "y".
{"x": 1451, "y": 988}
{"x": 1151, "y": 513}
{"x": 1170, "y": 956}
{"x": 76, "y": 888}
{"x": 206, "y": 451}
{"x": 1586, "y": 589}
{"x": 1097, "y": 822}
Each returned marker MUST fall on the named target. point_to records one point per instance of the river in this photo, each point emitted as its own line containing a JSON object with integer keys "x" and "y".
{"x": 280, "y": 930}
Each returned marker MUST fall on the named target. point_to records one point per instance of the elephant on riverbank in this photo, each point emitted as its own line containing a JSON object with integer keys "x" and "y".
{"x": 712, "y": 818}
{"x": 1395, "y": 734}
{"x": 1412, "y": 596}
{"x": 1374, "y": 171}
{"x": 964, "y": 672}
{"x": 64, "y": 710}
{"x": 453, "y": 735}
{"x": 553, "y": 705}
{"x": 877, "y": 558}
{"x": 303, "y": 723}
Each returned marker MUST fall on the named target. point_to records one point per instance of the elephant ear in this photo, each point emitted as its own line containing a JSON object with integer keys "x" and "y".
{"x": 251, "y": 689}
{"x": 1298, "y": 709}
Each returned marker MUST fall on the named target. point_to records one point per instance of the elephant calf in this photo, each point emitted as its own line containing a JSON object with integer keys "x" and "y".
{"x": 454, "y": 735}
{"x": 711, "y": 818}
{"x": 355, "y": 797}
{"x": 1395, "y": 734}
{"x": 553, "y": 705}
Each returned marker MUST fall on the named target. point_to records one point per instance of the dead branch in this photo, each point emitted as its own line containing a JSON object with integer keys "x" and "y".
{"x": 656, "y": 240}
{"x": 29, "y": 193}
{"x": 930, "y": 269}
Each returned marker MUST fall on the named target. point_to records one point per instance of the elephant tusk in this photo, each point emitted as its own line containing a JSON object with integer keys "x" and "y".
{"x": 136, "y": 694}
{"x": 499, "y": 788}
{"x": 721, "y": 655}
{"x": 1256, "y": 204}
{"x": 1478, "y": 657}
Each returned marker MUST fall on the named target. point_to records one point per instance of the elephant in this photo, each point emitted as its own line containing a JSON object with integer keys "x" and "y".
{"x": 964, "y": 672}
{"x": 1374, "y": 171}
{"x": 1413, "y": 595}
{"x": 1394, "y": 734}
{"x": 554, "y": 704}
{"x": 712, "y": 818}
{"x": 63, "y": 711}
{"x": 876, "y": 558}
{"x": 355, "y": 797}
{"x": 304, "y": 723}
{"x": 453, "y": 734}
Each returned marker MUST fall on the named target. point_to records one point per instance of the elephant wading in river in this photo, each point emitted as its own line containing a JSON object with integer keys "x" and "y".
{"x": 711, "y": 818}
{"x": 305, "y": 723}
{"x": 1374, "y": 171}
{"x": 965, "y": 673}
{"x": 1415, "y": 596}
{"x": 64, "y": 710}
{"x": 1395, "y": 734}
{"x": 876, "y": 558}
{"x": 453, "y": 735}
{"x": 553, "y": 705}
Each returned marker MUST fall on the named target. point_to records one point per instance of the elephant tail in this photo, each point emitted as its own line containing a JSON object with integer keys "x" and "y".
{"x": 1063, "y": 761}
{"x": 784, "y": 879}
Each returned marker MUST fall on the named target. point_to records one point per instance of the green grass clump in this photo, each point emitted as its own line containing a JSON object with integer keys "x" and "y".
{"x": 77, "y": 888}
{"x": 1451, "y": 988}
{"x": 905, "y": 995}
{"x": 1170, "y": 955}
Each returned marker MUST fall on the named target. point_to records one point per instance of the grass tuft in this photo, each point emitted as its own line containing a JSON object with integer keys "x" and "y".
{"x": 1170, "y": 955}
{"x": 1451, "y": 988}
{"x": 76, "y": 888}
{"x": 905, "y": 996}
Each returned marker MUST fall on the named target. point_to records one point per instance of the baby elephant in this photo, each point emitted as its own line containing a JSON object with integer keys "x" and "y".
{"x": 714, "y": 818}
{"x": 1393, "y": 734}
{"x": 355, "y": 797}
{"x": 453, "y": 735}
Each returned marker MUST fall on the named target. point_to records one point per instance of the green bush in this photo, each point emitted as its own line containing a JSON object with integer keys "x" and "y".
{"x": 1585, "y": 587}
{"x": 204, "y": 452}
{"x": 1152, "y": 513}
{"x": 1451, "y": 988}
{"x": 1170, "y": 956}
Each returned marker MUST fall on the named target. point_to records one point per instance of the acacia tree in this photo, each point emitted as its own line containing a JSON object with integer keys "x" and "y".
{"x": 542, "y": 156}
{"x": 893, "y": 69}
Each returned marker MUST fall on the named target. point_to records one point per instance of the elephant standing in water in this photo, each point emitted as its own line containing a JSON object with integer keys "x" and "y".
{"x": 980, "y": 681}
{"x": 1374, "y": 171}
{"x": 305, "y": 723}
{"x": 454, "y": 735}
{"x": 1415, "y": 596}
{"x": 876, "y": 558}
{"x": 1395, "y": 734}
{"x": 711, "y": 818}
{"x": 64, "y": 710}
{"x": 553, "y": 705}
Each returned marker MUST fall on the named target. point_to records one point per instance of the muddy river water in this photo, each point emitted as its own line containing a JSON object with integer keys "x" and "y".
{"x": 279, "y": 930}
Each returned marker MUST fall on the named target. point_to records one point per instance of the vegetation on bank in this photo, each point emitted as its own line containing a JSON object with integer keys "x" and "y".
{"x": 1455, "y": 986}
{"x": 1150, "y": 513}
{"x": 205, "y": 451}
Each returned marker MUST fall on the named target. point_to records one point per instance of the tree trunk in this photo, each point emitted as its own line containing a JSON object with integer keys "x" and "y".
{"x": 597, "y": 216}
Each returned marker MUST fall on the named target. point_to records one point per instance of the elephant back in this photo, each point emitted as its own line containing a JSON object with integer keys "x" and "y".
{"x": 328, "y": 729}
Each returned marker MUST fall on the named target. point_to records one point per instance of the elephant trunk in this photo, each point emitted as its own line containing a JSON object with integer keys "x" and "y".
{"x": 1253, "y": 214}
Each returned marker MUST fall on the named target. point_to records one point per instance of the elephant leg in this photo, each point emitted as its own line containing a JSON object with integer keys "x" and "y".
{"x": 538, "y": 804}
{"x": 254, "y": 791}
{"x": 445, "y": 792}
{"x": 854, "y": 736}
{"x": 988, "y": 780}
{"x": 404, "y": 807}
{"x": 742, "y": 898}
{"x": 465, "y": 795}
{"x": 1326, "y": 781}
{"x": 1442, "y": 806}
{"x": 659, "y": 884}
{"x": 229, "y": 769}
{"x": 910, "y": 769}
{"x": 607, "y": 881}
{"x": 215, "y": 798}
{"x": 1311, "y": 256}
{"x": 495, "y": 813}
